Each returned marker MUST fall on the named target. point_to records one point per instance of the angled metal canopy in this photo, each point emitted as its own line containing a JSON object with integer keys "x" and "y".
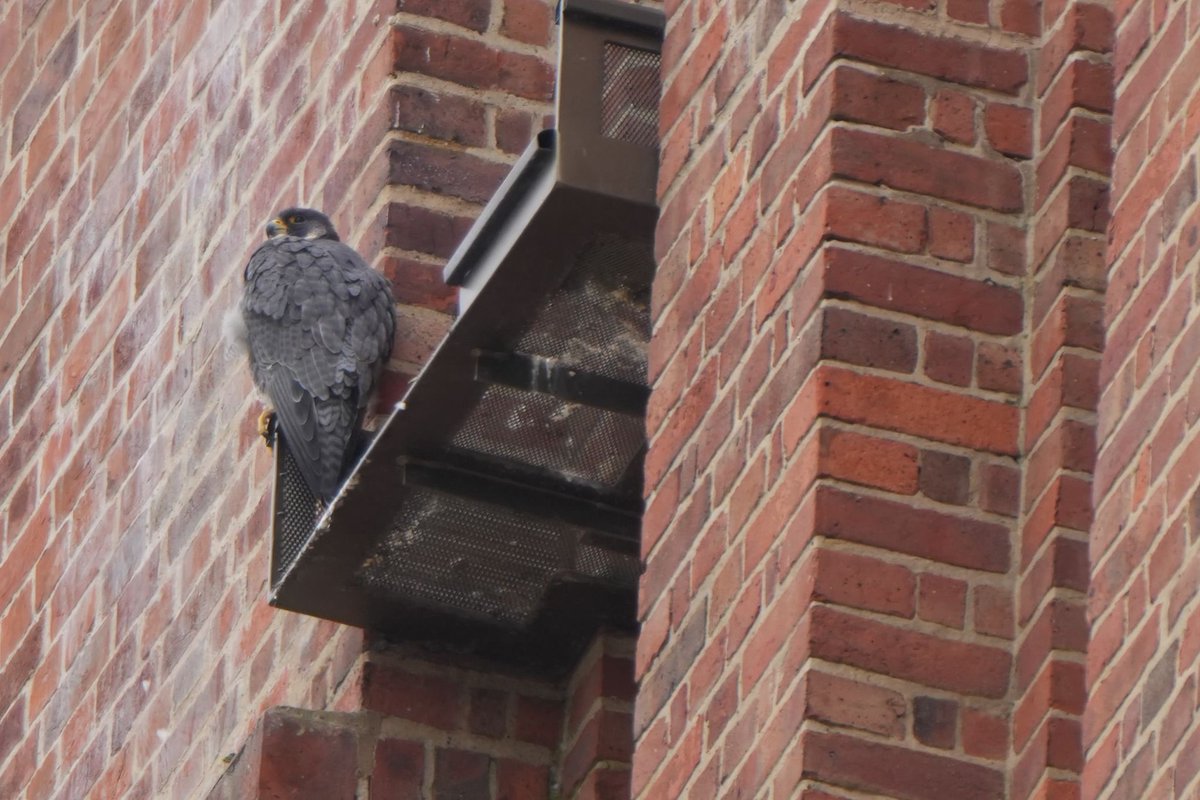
{"x": 498, "y": 508}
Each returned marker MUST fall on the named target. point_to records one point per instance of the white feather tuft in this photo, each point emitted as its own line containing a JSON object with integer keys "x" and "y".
{"x": 237, "y": 337}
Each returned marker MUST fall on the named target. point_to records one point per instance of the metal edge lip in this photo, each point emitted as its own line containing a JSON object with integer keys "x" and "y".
{"x": 616, "y": 13}
{"x": 519, "y": 188}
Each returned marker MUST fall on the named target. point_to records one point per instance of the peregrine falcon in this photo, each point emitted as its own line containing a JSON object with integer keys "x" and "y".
{"x": 318, "y": 329}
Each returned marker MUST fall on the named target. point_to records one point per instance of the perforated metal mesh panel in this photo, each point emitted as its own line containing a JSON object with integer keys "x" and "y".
{"x": 575, "y": 441}
{"x": 599, "y": 320}
{"x": 482, "y": 561}
{"x": 296, "y": 511}
{"x": 629, "y": 98}
{"x": 605, "y": 565}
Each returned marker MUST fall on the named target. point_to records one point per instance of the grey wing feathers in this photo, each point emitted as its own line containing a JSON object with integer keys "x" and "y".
{"x": 319, "y": 328}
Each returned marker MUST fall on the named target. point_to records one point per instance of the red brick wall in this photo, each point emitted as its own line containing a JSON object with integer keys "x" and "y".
{"x": 908, "y": 305}
{"x": 875, "y": 354}
{"x": 1141, "y": 729}
{"x": 473, "y": 85}
{"x": 439, "y": 730}
{"x": 142, "y": 148}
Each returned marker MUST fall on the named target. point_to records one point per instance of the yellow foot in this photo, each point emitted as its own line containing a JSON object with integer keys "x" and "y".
{"x": 266, "y": 426}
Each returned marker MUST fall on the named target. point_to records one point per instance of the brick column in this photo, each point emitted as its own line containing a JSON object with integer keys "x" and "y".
{"x": 838, "y": 483}
{"x": 1065, "y": 302}
{"x": 597, "y": 739}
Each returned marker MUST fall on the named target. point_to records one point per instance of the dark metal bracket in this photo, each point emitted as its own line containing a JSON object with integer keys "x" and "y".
{"x": 550, "y": 376}
{"x": 620, "y": 528}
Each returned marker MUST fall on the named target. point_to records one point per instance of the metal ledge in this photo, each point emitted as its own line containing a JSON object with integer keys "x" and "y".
{"x": 497, "y": 510}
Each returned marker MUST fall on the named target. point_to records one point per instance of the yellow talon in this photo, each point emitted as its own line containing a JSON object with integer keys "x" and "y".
{"x": 266, "y": 426}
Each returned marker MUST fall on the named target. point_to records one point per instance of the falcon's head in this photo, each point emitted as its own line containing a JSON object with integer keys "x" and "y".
{"x": 305, "y": 223}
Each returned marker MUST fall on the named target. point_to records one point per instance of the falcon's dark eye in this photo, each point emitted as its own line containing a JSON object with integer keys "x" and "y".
{"x": 293, "y": 220}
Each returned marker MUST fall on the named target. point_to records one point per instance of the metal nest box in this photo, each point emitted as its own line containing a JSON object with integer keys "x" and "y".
{"x": 498, "y": 509}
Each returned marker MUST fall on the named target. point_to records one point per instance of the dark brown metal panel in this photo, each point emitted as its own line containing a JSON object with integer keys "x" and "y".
{"x": 601, "y": 64}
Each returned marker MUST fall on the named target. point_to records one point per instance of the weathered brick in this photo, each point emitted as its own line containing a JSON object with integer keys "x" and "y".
{"x": 50, "y": 78}
{"x": 949, "y": 59}
{"x": 954, "y": 116}
{"x": 942, "y": 600}
{"x": 1006, "y": 249}
{"x": 951, "y": 234}
{"x": 935, "y": 721}
{"x": 306, "y": 755}
{"x": 399, "y": 767}
{"x": 537, "y": 720}
{"x": 1009, "y": 129}
{"x": 949, "y": 359}
{"x": 471, "y": 63}
{"x": 919, "y": 410}
{"x": 875, "y": 220}
{"x": 998, "y": 367}
{"x": 859, "y": 96}
{"x": 854, "y": 704}
{"x": 929, "y": 534}
{"x": 461, "y": 12}
{"x": 530, "y": 21}
{"x": 861, "y": 582}
{"x": 880, "y": 768}
{"x": 428, "y": 699}
{"x": 869, "y": 461}
{"x": 973, "y": 11}
{"x": 439, "y": 115}
{"x": 870, "y": 341}
{"x": 445, "y": 171}
{"x": 945, "y": 477}
{"x": 1020, "y": 16}
{"x": 605, "y": 738}
{"x": 970, "y": 669}
{"x": 887, "y": 283}
{"x": 984, "y": 735}
{"x": 676, "y": 94}
{"x": 461, "y": 773}
{"x": 913, "y": 166}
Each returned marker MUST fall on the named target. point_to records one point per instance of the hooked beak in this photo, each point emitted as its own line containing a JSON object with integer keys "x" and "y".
{"x": 276, "y": 228}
